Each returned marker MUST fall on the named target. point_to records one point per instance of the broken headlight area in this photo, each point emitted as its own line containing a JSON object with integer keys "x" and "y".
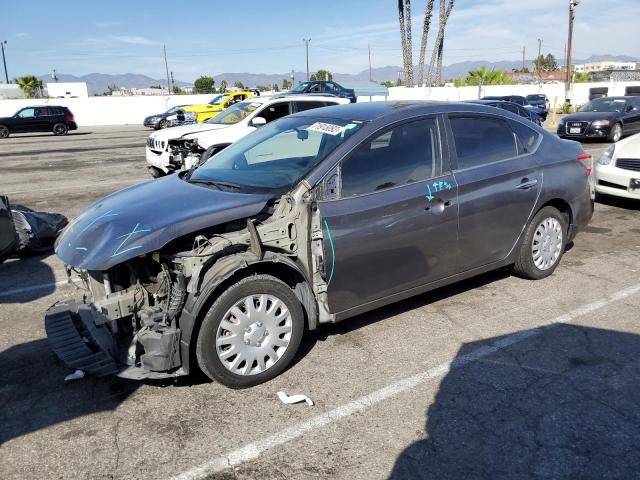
{"x": 184, "y": 154}
{"x": 126, "y": 322}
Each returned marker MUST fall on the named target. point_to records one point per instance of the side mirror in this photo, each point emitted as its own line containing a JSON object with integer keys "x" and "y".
{"x": 258, "y": 122}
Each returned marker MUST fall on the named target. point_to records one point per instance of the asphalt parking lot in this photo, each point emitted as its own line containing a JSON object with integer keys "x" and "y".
{"x": 495, "y": 377}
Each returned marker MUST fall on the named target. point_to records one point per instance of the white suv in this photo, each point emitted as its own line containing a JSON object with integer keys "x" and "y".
{"x": 180, "y": 148}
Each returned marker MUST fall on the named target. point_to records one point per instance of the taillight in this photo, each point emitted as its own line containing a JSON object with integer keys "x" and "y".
{"x": 69, "y": 117}
{"x": 587, "y": 158}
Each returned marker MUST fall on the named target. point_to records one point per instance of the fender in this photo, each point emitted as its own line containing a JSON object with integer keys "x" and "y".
{"x": 222, "y": 270}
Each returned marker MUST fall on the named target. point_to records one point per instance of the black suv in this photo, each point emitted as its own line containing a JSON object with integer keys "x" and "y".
{"x": 325, "y": 87}
{"x": 50, "y": 118}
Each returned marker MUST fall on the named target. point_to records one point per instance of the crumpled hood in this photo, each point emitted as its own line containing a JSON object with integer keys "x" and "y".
{"x": 143, "y": 218}
{"x": 178, "y": 132}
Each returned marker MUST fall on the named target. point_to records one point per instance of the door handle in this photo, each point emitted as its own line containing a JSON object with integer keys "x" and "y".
{"x": 526, "y": 184}
{"x": 438, "y": 205}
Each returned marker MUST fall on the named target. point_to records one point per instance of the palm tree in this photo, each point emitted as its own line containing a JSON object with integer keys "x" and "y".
{"x": 484, "y": 76}
{"x": 436, "y": 57}
{"x": 30, "y": 85}
{"x": 423, "y": 43}
{"x": 404, "y": 17}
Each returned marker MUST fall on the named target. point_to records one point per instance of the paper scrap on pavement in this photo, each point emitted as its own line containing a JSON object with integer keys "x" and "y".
{"x": 77, "y": 375}
{"x": 284, "y": 398}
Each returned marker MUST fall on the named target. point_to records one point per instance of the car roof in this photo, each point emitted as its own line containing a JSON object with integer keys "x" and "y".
{"x": 297, "y": 98}
{"x": 369, "y": 111}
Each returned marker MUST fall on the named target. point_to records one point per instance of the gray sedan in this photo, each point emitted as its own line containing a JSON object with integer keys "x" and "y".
{"x": 313, "y": 218}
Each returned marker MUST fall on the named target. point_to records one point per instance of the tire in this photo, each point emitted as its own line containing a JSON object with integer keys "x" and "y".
{"x": 530, "y": 264}
{"x": 616, "y": 133}
{"x": 162, "y": 124}
{"x": 210, "y": 152}
{"x": 4, "y": 131}
{"x": 255, "y": 341}
{"x": 60, "y": 129}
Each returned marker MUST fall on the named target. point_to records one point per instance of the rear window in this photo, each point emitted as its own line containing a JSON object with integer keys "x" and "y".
{"x": 482, "y": 140}
{"x": 527, "y": 138}
{"x": 302, "y": 106}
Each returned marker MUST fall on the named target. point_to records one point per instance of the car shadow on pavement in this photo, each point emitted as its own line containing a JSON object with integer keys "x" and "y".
{"x": 34, "y": 396}
{"x": 38, "y": 277}
{"x": 619, "y": 202}
{"x": 70, "y": 134}
{"x": 562, "y": 402}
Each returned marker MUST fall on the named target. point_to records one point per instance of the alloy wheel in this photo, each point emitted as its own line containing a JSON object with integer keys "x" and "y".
{"x": 4, "y": 131}
{"x": 254, "y": 334}
{"x": 617, "y": 132}
{"x": 547, "y": 243}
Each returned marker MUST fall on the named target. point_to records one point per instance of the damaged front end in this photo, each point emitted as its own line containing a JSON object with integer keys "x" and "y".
{"x": 184, "y": 154}
{"x": 126, "y": 322}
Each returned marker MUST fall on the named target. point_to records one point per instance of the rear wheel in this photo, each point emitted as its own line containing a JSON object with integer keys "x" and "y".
{"x": 4, "y": 131}
{"x": 542, "y": 246}
{"x": 251, "y": 332}
{"x": 616, "y": 133}
{"x": 60, "y": 129}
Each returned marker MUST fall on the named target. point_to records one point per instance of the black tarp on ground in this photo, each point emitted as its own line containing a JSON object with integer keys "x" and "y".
{"x": 37, "y": 231}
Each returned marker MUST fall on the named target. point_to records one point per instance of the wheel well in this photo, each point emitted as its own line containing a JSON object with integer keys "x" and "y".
{"x": 563, "y": 207}
{"x": 281, "y": 271}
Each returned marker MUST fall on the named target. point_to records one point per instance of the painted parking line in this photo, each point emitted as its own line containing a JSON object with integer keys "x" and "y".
{"x": 253, "y": 450}
{"x": 32, "y": 288}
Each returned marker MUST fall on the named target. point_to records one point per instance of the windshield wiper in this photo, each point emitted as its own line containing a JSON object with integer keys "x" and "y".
{"x": 215, "y": 183}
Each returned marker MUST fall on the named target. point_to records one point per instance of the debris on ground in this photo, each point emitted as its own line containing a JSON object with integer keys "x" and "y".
{"x": 77, "y": 375}
{"x": 284, "y": 398}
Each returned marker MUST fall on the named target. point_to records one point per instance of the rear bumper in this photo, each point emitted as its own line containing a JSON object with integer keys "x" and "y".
{"x": 72, "y": 126}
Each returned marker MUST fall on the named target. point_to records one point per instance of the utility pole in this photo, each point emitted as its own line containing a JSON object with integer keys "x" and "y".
{"x": 4, "y": 61}
{"x": 572, "y": 7}
{"x": 173, "y": 83}
{"x": 293, "y": 79}
{"x": 370, "y": 74}
{"x": 523, "y": 55}
{"x": 166, "y": 66}
{"x": 538, "y": 59}
{"x": 306, "y": 42}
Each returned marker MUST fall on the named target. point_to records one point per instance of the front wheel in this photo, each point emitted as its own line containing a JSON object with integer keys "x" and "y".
{"x": 542, "y": 246}
{"x": 162, "y": 124}
{"x": 4, "y": 131}
{"x": 251, "y": 333}
{"x": 60, "y": 129}
{"x": 616, "y": 133}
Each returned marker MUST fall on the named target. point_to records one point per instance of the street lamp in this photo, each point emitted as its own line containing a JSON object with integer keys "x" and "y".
{"x": 4, "y": 61}
{"x": 572, "y": 15}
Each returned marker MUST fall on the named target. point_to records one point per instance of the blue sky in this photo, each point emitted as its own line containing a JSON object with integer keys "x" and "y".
{"x": 211, "y": 37}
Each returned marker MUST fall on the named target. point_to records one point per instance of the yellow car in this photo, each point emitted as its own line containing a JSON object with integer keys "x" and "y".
{"x": 216, "y": 105}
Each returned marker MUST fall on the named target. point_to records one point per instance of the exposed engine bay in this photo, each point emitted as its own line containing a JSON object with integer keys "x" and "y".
{"x": 139, "y": 318}
{"x": 184, "y": 154}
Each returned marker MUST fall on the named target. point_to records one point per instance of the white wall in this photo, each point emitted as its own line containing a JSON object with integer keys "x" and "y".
{"x": 132, "y": 110}
{"x": 67, "y": 89}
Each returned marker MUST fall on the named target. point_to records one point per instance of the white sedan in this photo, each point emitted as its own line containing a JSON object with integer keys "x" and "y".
{"x": 180, "y": 148}
{"x": 618, "y": 169}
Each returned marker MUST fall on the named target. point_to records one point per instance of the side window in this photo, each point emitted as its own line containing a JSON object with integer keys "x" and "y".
{"x": 527, "y": 137}
{"x": 42, "y": 112}
{"x": 302, "y": 106}
{"x": 405, "y": 154}
{"x": 509, "y": 107}
{"x": 275, "y": 111}
{"x": 482, "y": 140}
{"x": 330, "y": 88}
{"x": 27, "y": 113}
{"x": 315, "y": 88}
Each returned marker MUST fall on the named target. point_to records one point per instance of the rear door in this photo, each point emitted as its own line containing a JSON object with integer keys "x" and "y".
{"x": 498, "y": 184}
{"x": 43, "y": 119}
{"x": 393, "y": 226}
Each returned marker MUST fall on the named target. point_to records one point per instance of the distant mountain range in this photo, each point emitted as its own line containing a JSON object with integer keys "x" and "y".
{"x": 97, "y": 83}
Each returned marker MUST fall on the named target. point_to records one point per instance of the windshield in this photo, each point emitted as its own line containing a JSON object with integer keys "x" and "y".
{"x": 174, "y": 109}
{"x": 217, "y": 100}
{"x": 301, "y": 87}
{"x": 604, "y": 105}
{"x": 276, "y": 156}
{"x": 535, "y": 97}
{"x": 235, "y": 113}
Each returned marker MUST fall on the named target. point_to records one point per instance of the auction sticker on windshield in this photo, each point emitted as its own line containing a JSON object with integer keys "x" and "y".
{"x": 326, "y": 128}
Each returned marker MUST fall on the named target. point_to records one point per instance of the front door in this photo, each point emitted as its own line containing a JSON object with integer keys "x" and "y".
{"x": 25, "y": 120}
{"x": 498, "y": 181}
{"x": 394, "y": 224}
